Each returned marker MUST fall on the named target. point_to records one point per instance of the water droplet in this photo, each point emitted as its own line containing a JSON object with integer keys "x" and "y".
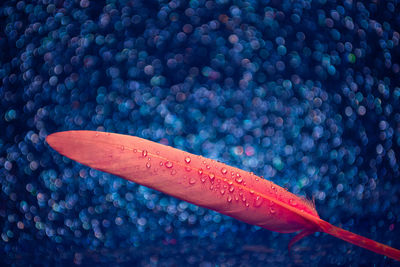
{"x": 97, "y": 134}
{"x": 144, "y": 153}
{"x": 237, "y": 198}
{"x": 272, "y": 210}
{"x": 204, "y": 162}
{"x": 192, "y": 180}
{"x": 244, "y": 199}
{"x": 258, "y": 201}
{"x": 238, "y": 178}
{"x": 257, "y": 179}
{"x": 251, "y": 191}
{"x": 273, "y": 187}
{"x": 208, "y": 167}
{"x": 200, "y": 171}
{"x": 187, "y": 160}
{"x": 188, "y": 169}
{"x": 203, "y": 179}
{"x": 229, "y": 199}
{"x": 222, "y": 191}
{"x": 161, "y": 163}
{"x": 230, "y": 182}
{"x": 247, "y": 204}
{"x": 169, "y": 164}
{"x": 212, "y": 177}
{"x": 231, "y": 189}
{"x": 292, "y": 202}
{"x": 211, "y": 187}
{"x": 224, "y": 170}
{"x": 148, "y": 165}
{"x": 134, "y": 150}
{"x": 173, "y": 172}
{"x": 122, "y": 148}
{"x": 158, "y": 152}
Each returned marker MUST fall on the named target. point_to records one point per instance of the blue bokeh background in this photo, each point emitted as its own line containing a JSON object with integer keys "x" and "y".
{"x": 304, "y": 93}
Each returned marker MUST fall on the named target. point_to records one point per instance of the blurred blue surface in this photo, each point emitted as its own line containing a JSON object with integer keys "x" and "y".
{"x": 305, "y": 93}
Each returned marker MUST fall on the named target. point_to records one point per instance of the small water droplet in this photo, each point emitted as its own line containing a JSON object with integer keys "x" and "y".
{"x": 188, "y": 169}
{"x": 240, "y": 193}
{"x": 231, "y": 189}
{"x": 222, "y": 191}
{"x": 247, "y": 204}
{"x": 97, "y": 134}
{"x": 258, "y": 201}
{"x": 204, "y": 162}
{"x": 122, "y": 148}
{"x": 211, "y": 187}
{"x": 257, "y": 179}
{"x": 161, "y": 163}
{"x": 203, "y": 179}
{"x": 230, "y": 182}
{"x": 273, "y": 187}
{"x": 212, "y": 177}
{"x": 148, "y": 165}
{"x": 238, "y": 178}
{"x": 134, "y": 150}
{"x": 200, "y": 171}
{"x": 272, "y": 210}
{"x": 144, "y": 153}
{"x": 208, "y": 167}
{"x": 292, "y": 202}
{"x": 251, "y": 191}
{"x": 229, "y": 199}
{"x": 187, "y": 160}
{"x": 244, "y": 199}
{"x": 224, "y": 170}
{"x": 173, "y": 172}
{"x": 192, "y": 180}
{"x": 158, "y": 152}
{"x": 169, "y": 164}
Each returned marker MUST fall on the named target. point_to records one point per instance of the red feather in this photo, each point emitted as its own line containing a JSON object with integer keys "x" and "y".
{"x": 204, "y": 182}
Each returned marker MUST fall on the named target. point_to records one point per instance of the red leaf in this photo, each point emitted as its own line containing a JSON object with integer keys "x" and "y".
{"x": 204, "y": 182}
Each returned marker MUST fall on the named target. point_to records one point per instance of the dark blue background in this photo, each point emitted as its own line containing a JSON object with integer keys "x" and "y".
{"x": 304, "y": 93}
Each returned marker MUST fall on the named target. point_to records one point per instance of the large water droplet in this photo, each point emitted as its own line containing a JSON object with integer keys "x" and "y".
{"x": 212, "y": 177}
{"x": 148, "y": 165}
{"x": 192, "y": 180}
{"x": 144, "y": 153}
{"x": 224, "y": 170}
{"x": 238, "y": 178}
{"x": 229, "y": 199}
{"x": 169, "y": 164}
{"x": 258, "y": 201}
{"x": 187, "y": 160}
